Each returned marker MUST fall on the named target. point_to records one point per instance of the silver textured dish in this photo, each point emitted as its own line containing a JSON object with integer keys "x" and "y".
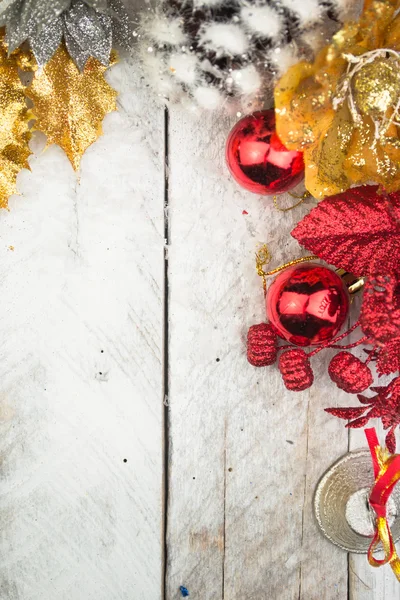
{"x": 341, "y": 503}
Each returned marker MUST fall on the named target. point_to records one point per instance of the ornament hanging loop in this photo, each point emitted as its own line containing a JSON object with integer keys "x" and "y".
{"x": 300, "y": 200}
{"x": 263, "y": 257}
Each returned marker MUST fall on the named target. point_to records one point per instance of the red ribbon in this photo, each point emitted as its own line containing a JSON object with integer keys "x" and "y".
{"x": 387, "y": 474}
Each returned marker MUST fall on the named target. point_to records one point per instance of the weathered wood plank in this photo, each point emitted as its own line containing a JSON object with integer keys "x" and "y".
{"x": 245, "y": 455}
{"x": 81, "y": 369}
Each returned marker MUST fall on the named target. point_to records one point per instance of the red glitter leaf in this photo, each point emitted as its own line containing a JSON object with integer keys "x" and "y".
{"x": 375, "y": 412}
{"x": 389, "y": 358}
{"x": 358, "y": 230}
{"x": 380, "y": 318}
{"x": 363, "y": 399}
{"x": 387, "y": 420}
{"x": 371, "y": 354}
{"x": 385, "y": 405}
{"x": 361, "y": 422}
{"x": 391, "y": 440}
{"x": 346, "y": 413}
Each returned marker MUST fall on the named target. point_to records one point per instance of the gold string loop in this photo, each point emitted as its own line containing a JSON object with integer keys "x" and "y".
{"x": 263, "y": 257}
{"x": 299, "y": 198}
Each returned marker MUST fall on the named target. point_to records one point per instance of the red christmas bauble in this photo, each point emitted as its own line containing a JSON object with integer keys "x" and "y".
{"x": 307, "y": 304}
{"x": 257, "y": 158}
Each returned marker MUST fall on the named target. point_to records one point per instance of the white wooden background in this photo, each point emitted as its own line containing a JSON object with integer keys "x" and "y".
{"x": 139, "y": 450}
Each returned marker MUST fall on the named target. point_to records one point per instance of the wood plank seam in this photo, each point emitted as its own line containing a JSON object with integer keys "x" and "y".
{"x": 304, "y": 495}
{"x": 224, "y": 518}
{"x": 349, "y": 569}
{"x": 165, "y": 357}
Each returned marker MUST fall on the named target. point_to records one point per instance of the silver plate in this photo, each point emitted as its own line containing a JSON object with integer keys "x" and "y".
{"x": 350, "y": 474}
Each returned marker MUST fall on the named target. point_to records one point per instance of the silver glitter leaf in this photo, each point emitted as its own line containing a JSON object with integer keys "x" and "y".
{"x": 90, "y": 30}
{"x": 9, "y": 6}
{"x": 43, "y": 13}
{"x": 10, "y": 11}
{"x": 47, "y": 41}
{"x": 99, "y": 5}
{"x": 77, "y": 53}
{"x": 89, "y": 27}
{"x": 122, "y": 25}
{"x": 15, "y": 34}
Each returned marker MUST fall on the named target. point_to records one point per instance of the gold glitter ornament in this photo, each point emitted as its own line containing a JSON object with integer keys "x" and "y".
{"x": 69, "y": 105}
{"x": 14, "y": 130}
{"x": 377, "y": 87}
{"x": 343, "y": 110}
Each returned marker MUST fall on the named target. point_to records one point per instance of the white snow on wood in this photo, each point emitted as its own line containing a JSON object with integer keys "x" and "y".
{"x": 81, "y": 366}
{"x": 81, "y": 275}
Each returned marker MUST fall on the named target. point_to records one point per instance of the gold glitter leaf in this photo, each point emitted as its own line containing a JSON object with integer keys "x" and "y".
{"x": 69, "y": 105}
{"x": 14, "y": 130}
{"x": 343, "y": 110}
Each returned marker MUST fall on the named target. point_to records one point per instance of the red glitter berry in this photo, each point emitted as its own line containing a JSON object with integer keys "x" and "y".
{"x": 261, "y": 345}
{"x": 349, "y": 373}
{"x": 296, "y": 371}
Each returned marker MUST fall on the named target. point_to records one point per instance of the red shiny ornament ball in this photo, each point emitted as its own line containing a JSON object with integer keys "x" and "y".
{"x": 261, "y": 345}
{"x": 296, "y": 370}
{"x": 307, "y": 304}
{"x": 258, "y": 160}
{"x": 350, "y": 373}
